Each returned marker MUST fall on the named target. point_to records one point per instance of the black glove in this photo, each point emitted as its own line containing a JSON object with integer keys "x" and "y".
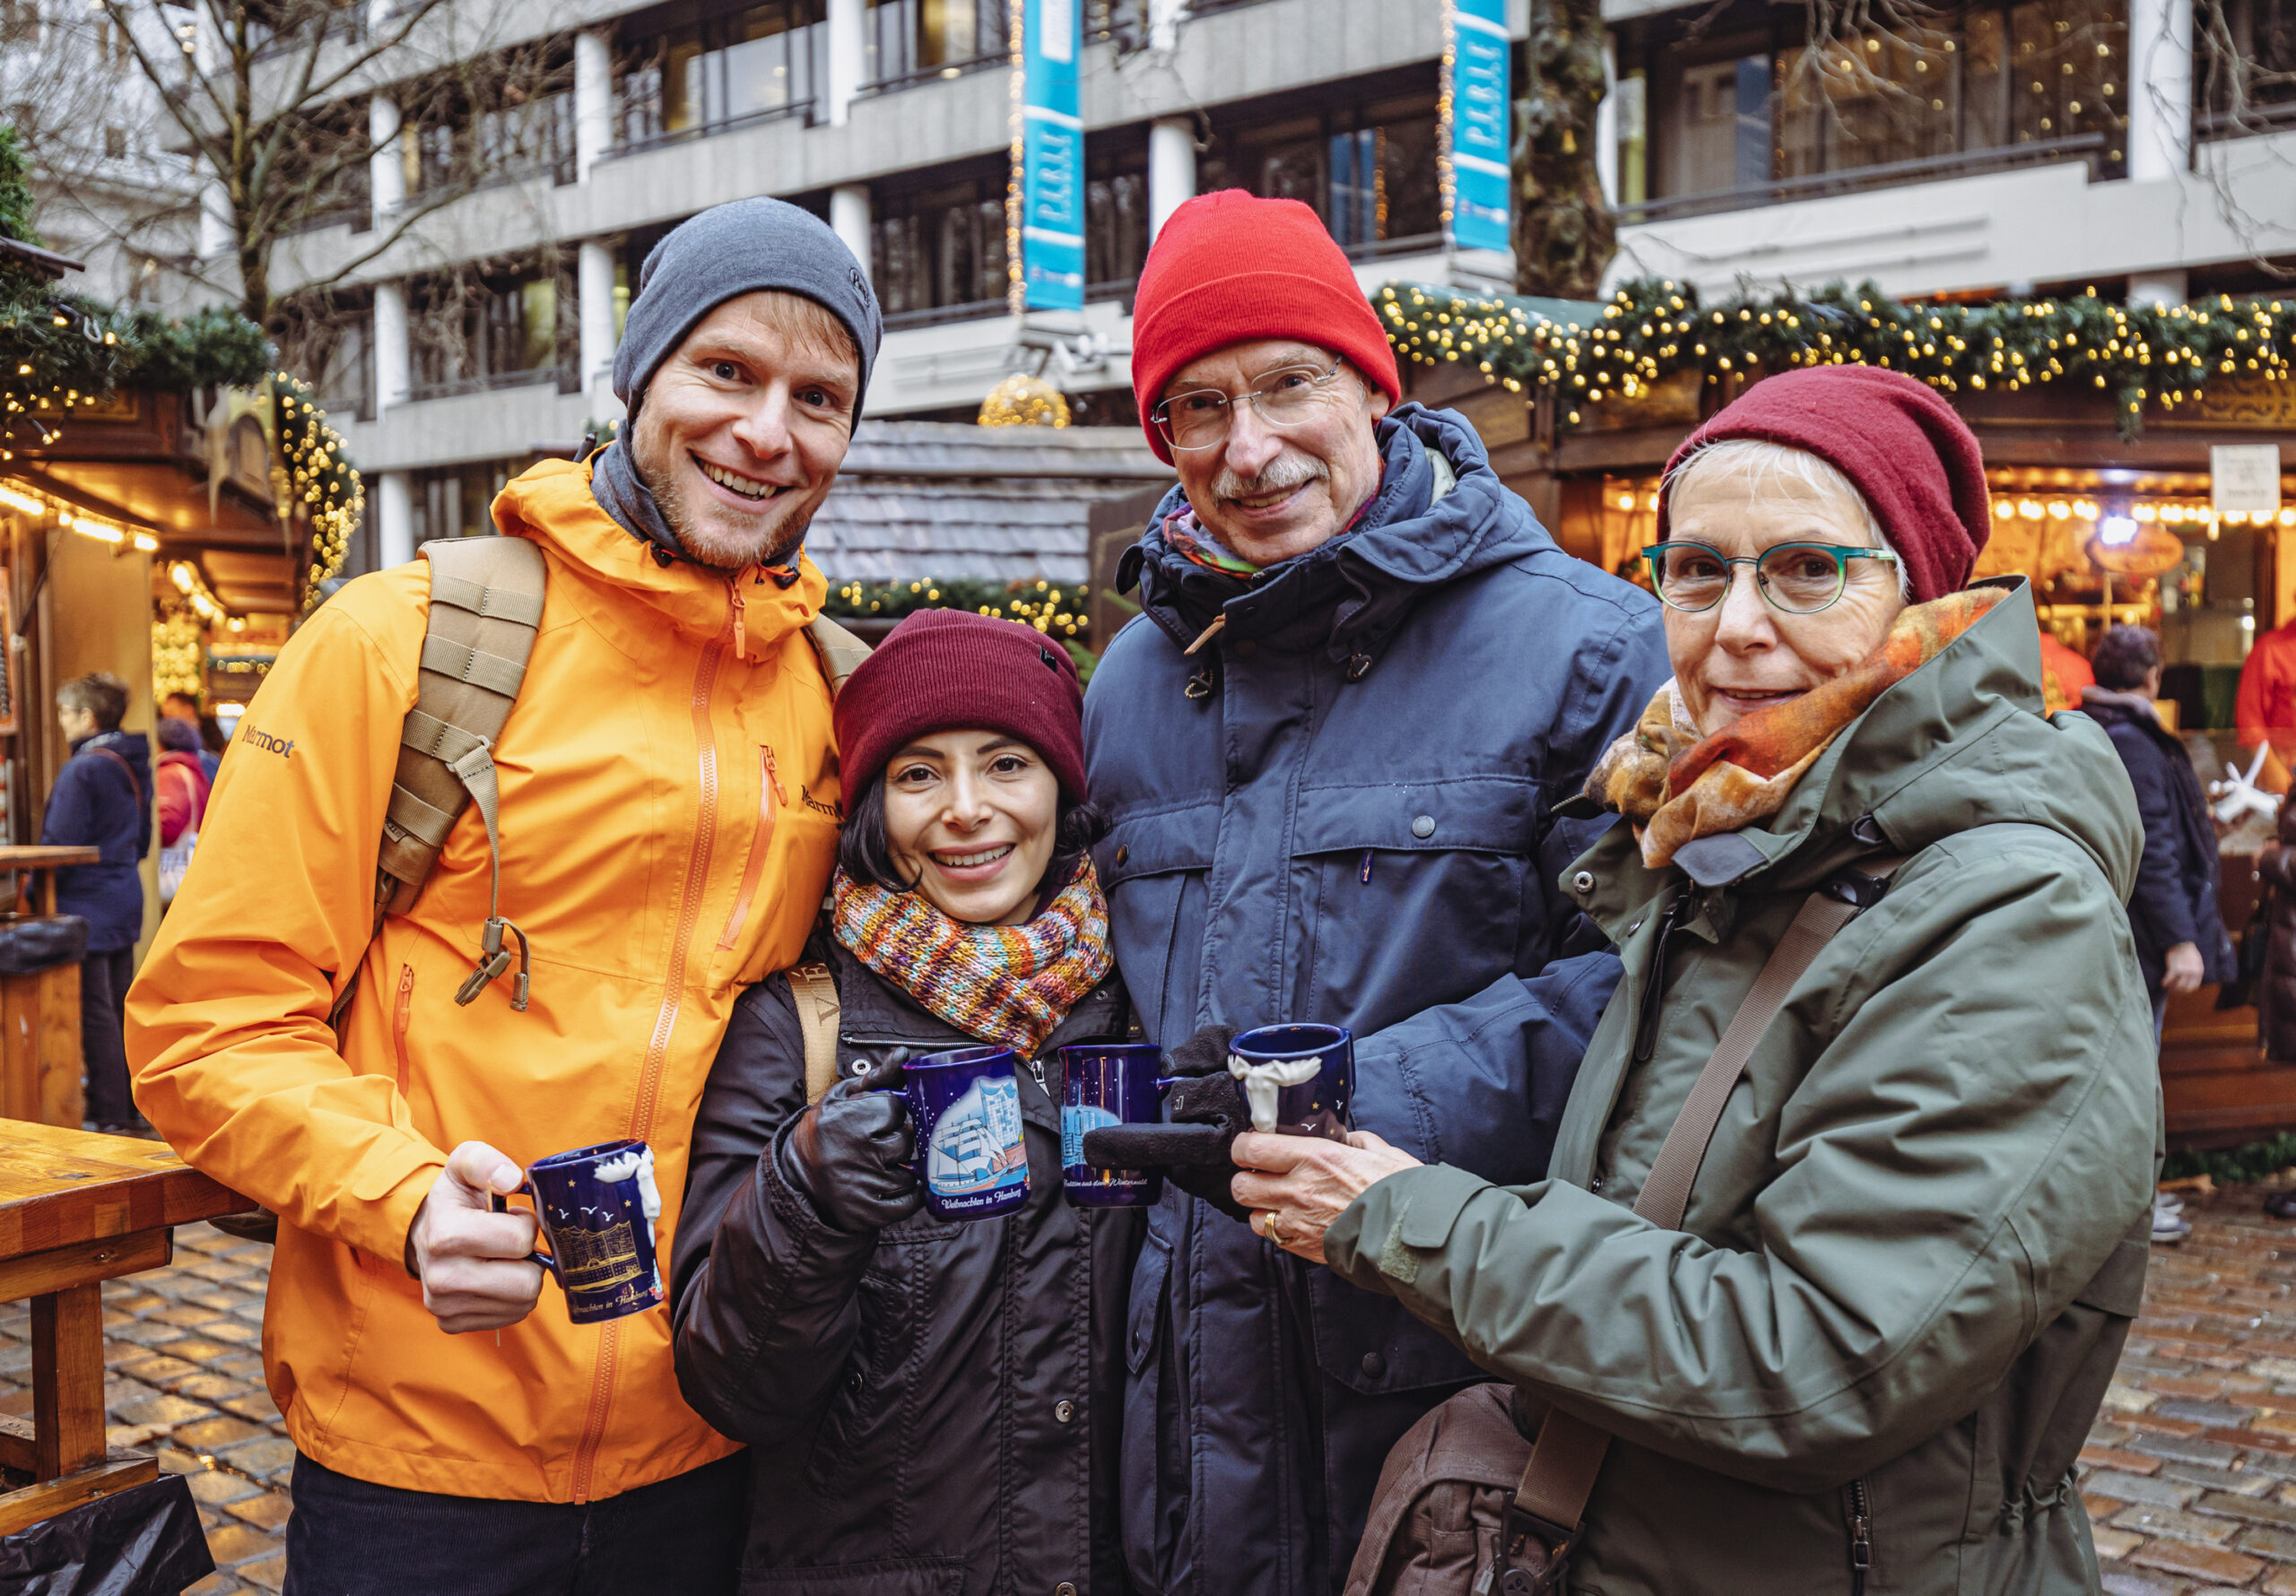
{"x": 846, "y": 1153}
{"x": 1203, "y": 1113}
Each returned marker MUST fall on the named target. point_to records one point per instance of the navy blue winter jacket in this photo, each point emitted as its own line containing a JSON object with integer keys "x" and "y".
{"x": 95, "y": 801}
{"x": 2175, "y": 900}
{"x": 1339, "y": 810}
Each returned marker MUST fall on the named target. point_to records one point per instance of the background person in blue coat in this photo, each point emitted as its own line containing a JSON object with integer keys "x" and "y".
{"x": 102, "y": 798}
{"x": 1328, "y": 751}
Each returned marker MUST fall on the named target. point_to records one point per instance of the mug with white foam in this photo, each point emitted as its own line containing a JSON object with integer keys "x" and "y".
{"x": 1296, "y": 1079}
{"x": 598, "y": 1208}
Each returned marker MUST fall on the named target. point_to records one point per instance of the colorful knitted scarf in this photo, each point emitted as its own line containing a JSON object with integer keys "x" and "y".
{"x": 1676, "y": 787}
{"x": 1008, "y": 984}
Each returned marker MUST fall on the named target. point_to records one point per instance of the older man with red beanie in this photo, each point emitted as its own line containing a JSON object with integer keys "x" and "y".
{"x": 1328, "y": 750}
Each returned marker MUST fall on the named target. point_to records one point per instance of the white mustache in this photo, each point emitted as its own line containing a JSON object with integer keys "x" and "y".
{"x": 1283, "y": 473}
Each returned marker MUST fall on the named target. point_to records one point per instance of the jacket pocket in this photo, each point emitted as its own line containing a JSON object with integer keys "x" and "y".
{"x": 891, "y": 1576}
{"x": 1450, "y": 860}
{"x": 1153, "y": 1465}
{"x": 769, "y": 797}
{"x": 1153, "y": 868}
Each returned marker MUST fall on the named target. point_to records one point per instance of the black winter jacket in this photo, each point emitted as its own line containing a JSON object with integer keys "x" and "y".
{"x": 2175, "y": 900}
{"x": 931, "y": 1410}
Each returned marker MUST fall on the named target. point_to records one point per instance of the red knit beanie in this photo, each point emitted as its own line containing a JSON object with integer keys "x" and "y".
{"x": 1228, "y": 268}
{"x": 950, "y": 669}
{"x": 1916, "y": 461}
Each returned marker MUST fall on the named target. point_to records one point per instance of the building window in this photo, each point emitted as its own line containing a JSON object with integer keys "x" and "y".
{"x": 905, "y": 39}
{"x": 722, "y": 71}
{"x": 940, "y": 248}
{"x": 457, "y": 501}
{"x": 1368, "y": 169}
{"x": 466, "y": 147}
{"x": 492, "y": 330}
{"x": 1740, "y": 115}
{"x": 114, "y": 143}
{"x": 1116, "y": 209}
{"x": 2247, "y": 69}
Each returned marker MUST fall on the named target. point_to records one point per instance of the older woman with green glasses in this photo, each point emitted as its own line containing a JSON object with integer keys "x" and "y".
{"x": 1846, "y": 1219}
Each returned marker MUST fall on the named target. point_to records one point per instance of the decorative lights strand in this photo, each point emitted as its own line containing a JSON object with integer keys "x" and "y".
{"x": 319, "y": 477}
{"x": 1651, "y": 330}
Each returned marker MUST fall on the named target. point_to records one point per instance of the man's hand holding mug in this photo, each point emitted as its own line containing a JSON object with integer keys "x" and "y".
{"x": 472, "y": 1261}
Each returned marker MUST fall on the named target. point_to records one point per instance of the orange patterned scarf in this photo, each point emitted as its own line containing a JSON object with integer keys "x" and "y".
{"x": 1675, "y": 787}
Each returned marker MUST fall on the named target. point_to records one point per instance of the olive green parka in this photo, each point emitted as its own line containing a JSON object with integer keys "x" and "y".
{"x": 1912, "y": 1254}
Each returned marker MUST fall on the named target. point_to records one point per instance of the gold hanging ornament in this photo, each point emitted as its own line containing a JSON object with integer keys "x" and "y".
{"x": 1024, "y": 401}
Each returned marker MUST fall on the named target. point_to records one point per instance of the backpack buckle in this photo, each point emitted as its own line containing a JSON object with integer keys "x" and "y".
{"x": 1534, "y": 1556}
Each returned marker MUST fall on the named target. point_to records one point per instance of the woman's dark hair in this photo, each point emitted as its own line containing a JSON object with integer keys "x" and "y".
{"x": 2124, "y": 657}
{"x": 864, "y": 853}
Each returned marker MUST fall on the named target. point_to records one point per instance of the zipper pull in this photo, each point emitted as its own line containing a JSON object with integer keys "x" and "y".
{"x": 773, "y": 776}
{"x": 1036, "y": 1068}
{"x": 1363, "y": 872}
{"x": 1861, "y": 1538}
{"x": 741, "y": 620}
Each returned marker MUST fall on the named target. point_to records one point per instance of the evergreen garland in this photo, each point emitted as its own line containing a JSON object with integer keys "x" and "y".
{"x": 1651, "y": 330}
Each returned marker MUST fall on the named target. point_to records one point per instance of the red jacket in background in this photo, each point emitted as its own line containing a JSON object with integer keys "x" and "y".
{"x": 182, "y": 794}
{"x": 2266, "y": 707}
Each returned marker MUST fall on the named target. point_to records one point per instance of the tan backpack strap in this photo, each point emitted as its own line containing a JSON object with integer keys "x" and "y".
{"x": 840, "y": 652}
{"x": 486, "y": 599}
{"x": 818, "y": 1011}
{"x": 1568, "y": 1454}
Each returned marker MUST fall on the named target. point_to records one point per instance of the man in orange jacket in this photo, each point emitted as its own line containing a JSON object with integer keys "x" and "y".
{"x": 668, "y": 809}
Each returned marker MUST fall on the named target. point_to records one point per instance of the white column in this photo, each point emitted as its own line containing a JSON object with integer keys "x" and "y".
{"x": 1172, "y": 168}
{"x": 848, "y": 219}
{"x": 387, "y": 165}
{"x": 1606, "y": 127}
{"x": 594, "y": 293}
{"x": 848, "y": 59}
{"x": 1164, "y": 23}
{"x": 2148, "y": 288}
{"x": 392, "y": 362}
{"x": 2160, "y": 89}
{"x": 593, "y": 100}
{"x": 395, "y": 529}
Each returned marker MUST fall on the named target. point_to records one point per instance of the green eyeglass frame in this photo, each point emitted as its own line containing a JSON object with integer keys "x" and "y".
{"x": 1789, "y": 594}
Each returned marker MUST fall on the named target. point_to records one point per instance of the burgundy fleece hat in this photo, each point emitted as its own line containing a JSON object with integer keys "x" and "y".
{"x": 1916, "y": 461}
{"x": 1228, "y": 268}
{"x": 946, "y": 669}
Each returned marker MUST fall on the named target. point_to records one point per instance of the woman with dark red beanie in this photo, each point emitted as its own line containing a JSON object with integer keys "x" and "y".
{"x": 1840, "y": 1318}
{"x": 928, "y": 1405}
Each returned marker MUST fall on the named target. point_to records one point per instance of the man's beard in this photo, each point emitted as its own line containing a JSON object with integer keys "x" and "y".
{"x": 774, "y": 543}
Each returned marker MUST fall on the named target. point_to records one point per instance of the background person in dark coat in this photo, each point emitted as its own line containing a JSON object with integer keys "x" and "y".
{"x": 102, "y": 798}
{"x": 1328, "y": 750}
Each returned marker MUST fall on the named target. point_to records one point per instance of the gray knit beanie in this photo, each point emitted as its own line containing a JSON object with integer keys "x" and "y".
{"x": 735, "y": 249}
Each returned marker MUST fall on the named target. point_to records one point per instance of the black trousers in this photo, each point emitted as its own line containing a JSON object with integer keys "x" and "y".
{"x": 103, "y": 1045}
{"x": 680, "y": 1536}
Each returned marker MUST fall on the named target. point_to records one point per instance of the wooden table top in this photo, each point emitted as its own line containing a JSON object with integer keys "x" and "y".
{"x": 60, "y": 1186}
{"x": 47, "y": 858}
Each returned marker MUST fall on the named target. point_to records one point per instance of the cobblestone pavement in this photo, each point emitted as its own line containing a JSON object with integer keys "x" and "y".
{"x": 2189, "y": 1475}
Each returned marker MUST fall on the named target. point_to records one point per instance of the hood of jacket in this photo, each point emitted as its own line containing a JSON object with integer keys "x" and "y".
{"x": 131, "y": 746}
{"x": 554, "y": 504}
{"x": 1417, "y": 533}
{"x": 1961, "y": 743}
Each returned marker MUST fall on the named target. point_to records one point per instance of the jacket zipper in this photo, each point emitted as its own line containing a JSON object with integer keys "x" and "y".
{"x": 658, "y": 1047}
{"x": 401, "y": 1014}
{"x": 770, "y": 793}
{"x": 1861, "y": 1536}
{"x": 1646, "y": 1032}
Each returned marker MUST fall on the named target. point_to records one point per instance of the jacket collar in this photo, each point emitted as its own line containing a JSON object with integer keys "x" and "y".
{"x": 553, "y": 503}
{"x": 1348, "y": 594}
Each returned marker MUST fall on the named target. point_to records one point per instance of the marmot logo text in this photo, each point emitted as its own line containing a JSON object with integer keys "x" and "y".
{"x": 835, "y": 811}
{"x": 285, "y": 747}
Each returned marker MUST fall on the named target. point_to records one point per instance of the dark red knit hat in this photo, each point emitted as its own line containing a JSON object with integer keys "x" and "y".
{"x": 1228, "y": 268}
{"x": 1916, "y": 461}
{"x": 947, "y": 670}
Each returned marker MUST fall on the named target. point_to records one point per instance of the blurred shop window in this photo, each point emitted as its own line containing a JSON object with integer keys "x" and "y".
{"x": 720, "y": 73}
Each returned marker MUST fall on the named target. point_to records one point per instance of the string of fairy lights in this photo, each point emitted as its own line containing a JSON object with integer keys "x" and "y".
{"x": 319, "y": 477}
{"x": 1650, "y": 331}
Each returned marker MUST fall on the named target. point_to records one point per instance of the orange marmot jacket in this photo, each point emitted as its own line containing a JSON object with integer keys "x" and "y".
{"x": 669, "y": 809}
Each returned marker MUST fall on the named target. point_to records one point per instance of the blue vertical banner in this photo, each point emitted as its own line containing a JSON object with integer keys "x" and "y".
{"x": 1483, "y": 124}
{"x": 1052, "y": 158}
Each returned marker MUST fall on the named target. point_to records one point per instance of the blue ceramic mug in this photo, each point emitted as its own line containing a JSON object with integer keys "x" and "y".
{"x": 598, "y": 1208}
{"x": 1297, "y": 1079}
{"x": 1106, "y": 1083}
{"x": 971, "y": 1151}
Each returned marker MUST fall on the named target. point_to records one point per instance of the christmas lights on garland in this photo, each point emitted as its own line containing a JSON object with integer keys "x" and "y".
{"x": 1651, "y": 330}
{"x": 58, "y": 355}
{"x": 319, "y": 477}
{"x": 1034, "y": 602}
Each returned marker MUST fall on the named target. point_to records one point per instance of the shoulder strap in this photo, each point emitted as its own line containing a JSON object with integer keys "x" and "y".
{"x": 1569, "y": 1453}
{"x": 486, "y": 596}
{"x": 120, "y": 760}
{"x": 818, "y": 1011}
{"x": 840, "y": 652}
